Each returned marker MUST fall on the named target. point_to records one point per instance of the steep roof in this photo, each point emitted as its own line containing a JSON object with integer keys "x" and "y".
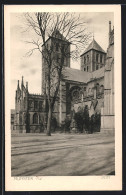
{"x": 75, "y": 75}
{"x": 56, "y": 34}
{"x": 81, "y": 76}
{"x": 94, "y": 45}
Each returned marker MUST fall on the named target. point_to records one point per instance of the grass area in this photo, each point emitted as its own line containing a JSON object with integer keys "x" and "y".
{"x": 62, "y": 154}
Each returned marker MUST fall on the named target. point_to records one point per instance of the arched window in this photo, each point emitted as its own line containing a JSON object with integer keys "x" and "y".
{"x": 89, "y": 91}
{"x": 97, "y": 67}
{"x": 40, "y": 119}
{"x": 87, "y": 58}
{"x": 84, "y": 60}
{"x": 40, "y": 105}
{"x": 84, "y": 69}
{"x": 63, "y": 48}
{"x": 87, "y": 68}
{"x": 85, "y": 93}
{"x": 101, "y": 58}
{"x": 97, "y": 87}
{"x": 30, "y": 104}
{"x": 97, "y": 57}
{"x": 35, "y": 118}
{"x": 75, "y": 95}
{"x": 57, "y": 46}
{"x": 36, "y": 104}
{"x": 20, "y": 118}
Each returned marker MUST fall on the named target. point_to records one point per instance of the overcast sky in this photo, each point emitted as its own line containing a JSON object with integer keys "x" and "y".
{"x": 30, "y": 67}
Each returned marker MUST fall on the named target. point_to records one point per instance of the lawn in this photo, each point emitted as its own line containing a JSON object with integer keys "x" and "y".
{"x": 62, "y": 154}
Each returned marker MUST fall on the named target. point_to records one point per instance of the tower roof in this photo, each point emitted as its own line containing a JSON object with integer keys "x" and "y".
{"x": 94, "y": 46}
{"x": 56, "y": 34}
{"x": 18, "y": 87}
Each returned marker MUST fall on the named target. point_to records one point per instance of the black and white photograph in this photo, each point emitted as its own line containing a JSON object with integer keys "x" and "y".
{"x": 61, "y": 93}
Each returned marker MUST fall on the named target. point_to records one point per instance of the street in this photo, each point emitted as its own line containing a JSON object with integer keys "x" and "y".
{"x": 62, "y": 154}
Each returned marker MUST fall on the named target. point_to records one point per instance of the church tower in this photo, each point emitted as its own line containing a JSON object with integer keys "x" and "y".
{"x": 93, "y": 58}
{"x": 21, "y": 106}
{"x": 58, "y": 48}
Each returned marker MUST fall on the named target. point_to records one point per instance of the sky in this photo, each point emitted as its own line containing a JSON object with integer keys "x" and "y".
{"x": 30, "y": 67}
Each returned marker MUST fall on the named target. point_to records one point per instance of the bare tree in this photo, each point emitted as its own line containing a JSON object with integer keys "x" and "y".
{"x": 70, "y": 29}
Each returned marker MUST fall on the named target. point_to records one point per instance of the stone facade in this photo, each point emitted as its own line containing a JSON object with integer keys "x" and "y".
{"x": 108, "y": 112}
{"x": 93, "y": 86}
{"x": 29, "y": 112}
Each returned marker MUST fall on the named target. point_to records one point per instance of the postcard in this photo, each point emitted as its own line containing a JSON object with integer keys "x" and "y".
{"x": 63, "y": 103}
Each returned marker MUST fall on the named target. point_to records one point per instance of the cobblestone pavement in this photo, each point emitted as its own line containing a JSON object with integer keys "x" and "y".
{"x": 62, "y": 154}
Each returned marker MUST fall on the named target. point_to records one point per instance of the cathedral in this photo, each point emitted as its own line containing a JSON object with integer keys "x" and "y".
{"x": 92, "y": 86}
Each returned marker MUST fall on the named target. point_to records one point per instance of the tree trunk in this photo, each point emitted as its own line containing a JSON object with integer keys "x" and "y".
{"x": 49, "y": 121}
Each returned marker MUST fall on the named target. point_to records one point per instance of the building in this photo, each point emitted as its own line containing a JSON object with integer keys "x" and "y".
{"x": 29, "y": 112}
{"x": 92, "y": 85}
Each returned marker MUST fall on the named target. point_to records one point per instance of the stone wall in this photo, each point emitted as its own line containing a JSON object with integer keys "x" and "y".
{"x": 108, "y": 111}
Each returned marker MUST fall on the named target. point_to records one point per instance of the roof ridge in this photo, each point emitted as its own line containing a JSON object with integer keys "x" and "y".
{"x": 84, "y": 77}
{"x": 78, "y": 70}
{"x": 93, "y": 45}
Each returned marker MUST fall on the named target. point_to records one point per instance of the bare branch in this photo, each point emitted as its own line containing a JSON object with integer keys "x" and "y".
{"x": 65, "y": 28}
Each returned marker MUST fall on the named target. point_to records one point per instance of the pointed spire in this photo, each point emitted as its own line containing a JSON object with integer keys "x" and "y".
{"x": 18, "y": 87}
{"x": 94, "y": 45}
{"x": 22, "y": 83}
{"x": 109, "y": 26}
{"x": 27, "y": 86}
